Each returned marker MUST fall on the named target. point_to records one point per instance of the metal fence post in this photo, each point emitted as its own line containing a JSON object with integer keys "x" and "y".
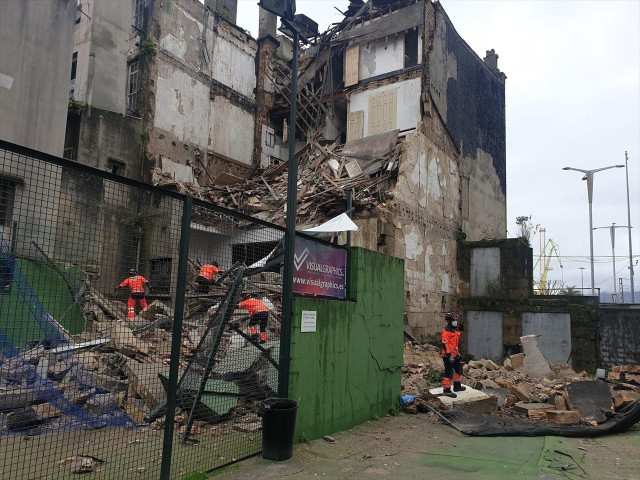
{"x": 290, "y": 235}
{"x": 176, "y": 338}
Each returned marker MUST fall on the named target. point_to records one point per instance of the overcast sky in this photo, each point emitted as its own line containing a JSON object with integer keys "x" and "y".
{"x": 573, "y": 99}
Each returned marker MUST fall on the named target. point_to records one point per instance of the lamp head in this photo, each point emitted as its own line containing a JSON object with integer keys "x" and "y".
{"x": 567, "y": 168}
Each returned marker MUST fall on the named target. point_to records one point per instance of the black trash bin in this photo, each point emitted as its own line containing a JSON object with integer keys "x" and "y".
{"x": 278, "y": 428}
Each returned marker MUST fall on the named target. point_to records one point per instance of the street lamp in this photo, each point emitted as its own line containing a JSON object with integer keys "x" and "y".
{"x": 589, "y": 178}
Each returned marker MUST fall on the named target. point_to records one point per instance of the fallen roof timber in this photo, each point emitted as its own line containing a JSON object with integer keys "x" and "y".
{"x": 395, "y": 22}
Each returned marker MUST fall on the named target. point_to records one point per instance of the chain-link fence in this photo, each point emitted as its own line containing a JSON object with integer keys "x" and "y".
{"x": 137, "y": 326}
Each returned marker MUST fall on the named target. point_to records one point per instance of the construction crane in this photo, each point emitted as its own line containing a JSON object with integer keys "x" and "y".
{"x": 547, "y": 250}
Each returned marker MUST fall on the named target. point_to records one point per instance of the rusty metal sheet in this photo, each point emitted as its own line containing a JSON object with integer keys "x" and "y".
{"x": 374, "y": 145}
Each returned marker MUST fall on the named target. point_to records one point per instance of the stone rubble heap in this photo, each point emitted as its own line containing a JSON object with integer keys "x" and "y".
{"x": 560, "y": 396}
{"x": 116, "y": 362}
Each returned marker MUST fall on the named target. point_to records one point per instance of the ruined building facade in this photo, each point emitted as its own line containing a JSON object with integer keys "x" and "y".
{"x": 175, "y": 86}
{"x": 402, "y": 66}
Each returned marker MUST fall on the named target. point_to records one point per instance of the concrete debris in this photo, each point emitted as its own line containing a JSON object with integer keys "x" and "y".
{"x": 535, "y": 364}
{"x": 556, "y": 395}
{"x": 625, "y": 373}
{"x": 120, "y": 363}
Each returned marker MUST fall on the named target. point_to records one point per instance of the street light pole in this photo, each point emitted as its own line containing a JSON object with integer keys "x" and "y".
{"x": 290, "y": 233}
{"x": 589, "y": 178}
{"x": 626, "y": 165}
{"x": 582, "y": 279}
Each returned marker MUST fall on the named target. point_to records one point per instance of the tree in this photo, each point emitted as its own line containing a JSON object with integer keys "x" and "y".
{"x": 572, "y": 291}
{"x": 525, "y": 228}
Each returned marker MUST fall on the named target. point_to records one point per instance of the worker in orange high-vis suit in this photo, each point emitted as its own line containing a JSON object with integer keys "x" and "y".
{"x": 205, "y": 276}
{"x": 451, "y": 356}
{"x": 258, "y": 315}
{"x": 135, "y": 283}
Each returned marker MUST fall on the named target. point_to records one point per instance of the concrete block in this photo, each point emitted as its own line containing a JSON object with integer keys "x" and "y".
{"x": 591, "y": 399}
{"x": 143, "y": 378}
{"x": 517, "y": 361}
{"x": 563, "y": 417}
{"x": 534, "y": 365}
{"x": 624, "y": 398}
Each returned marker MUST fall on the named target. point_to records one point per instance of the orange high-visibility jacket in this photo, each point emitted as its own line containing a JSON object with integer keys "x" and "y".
{"x": 208, "y": 271}
{"x": 135, "y": 284}
{"x": 253, "y": 306}
{"x": 450, "y": 340}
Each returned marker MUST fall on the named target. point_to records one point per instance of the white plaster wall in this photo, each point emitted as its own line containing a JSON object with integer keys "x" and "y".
{"x": 232, "y": 130}
{"x": 408, "y": 114}
{"x": 554, "y": 334}
{"x": 182, "y": 106}
{"x": 234, "y": 66}
{"x": 380, "y": 56}
{"x": 485, "y": 266}
{"x": 484, "y": 335}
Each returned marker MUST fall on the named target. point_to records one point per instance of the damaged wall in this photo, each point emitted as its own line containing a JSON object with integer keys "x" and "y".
{"x": 426, "y": 220}
{"x": 470, "y": 98}
{"x": 204, "y": 89}
{"x": 349, "y": 369}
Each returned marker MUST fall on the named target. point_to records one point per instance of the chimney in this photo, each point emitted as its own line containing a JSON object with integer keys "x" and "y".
{"x": 225, "y": 8}
{"x": 268, "y": 23}
{"x": 491, "y": 60}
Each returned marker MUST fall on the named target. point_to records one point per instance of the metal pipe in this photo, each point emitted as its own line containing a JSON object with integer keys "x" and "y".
{"x": 626, "y": 166}
{"x": 290, "y": 234}
{"x": 176, "y": 339}
{"x": 590, "y": 194}
{"x": 589, "y": 178}
{"x": 614, "y": 297}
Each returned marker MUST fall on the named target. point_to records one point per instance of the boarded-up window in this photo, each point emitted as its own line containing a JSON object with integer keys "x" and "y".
{"x": 383, "y": 112}
{"x": 351, "y": 66}
{"x": 355, "y": 125}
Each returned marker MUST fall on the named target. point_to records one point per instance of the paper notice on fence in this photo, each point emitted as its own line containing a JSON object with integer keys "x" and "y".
{"x": 308, "y": 323}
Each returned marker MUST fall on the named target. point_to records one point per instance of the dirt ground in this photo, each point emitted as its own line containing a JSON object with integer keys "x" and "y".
{"x": 417, "y": 446}
{"x": 127, "y": 454}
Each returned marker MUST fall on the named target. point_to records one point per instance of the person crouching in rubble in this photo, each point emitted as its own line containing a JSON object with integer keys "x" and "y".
{"x": 136, "y": 284}
{"x": 205, "y": 277}
{"x": 451, "y": 356}
{"x": 258, "y": 315}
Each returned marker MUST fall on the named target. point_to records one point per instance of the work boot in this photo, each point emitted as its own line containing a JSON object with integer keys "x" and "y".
{"x": 448, "y": 393}
{"x": 457, "y": 387}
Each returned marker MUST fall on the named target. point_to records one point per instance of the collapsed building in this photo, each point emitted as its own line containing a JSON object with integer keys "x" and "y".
{"x": 393, "y": 106}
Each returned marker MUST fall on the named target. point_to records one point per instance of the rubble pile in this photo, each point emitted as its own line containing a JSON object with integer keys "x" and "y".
{"x": 366, "y": 167}
{"x": 117, "y": 365}
{"x": 560, "y": 396}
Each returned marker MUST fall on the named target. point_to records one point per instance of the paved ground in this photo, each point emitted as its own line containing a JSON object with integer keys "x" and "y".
{"x": 417, "y": 446}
